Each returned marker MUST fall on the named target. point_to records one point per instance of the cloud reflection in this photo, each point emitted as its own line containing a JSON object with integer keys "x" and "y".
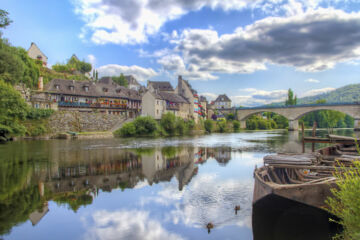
{"x": 126, "y": 225}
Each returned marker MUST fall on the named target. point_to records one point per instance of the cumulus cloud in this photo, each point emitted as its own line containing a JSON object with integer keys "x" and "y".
{"x": 310, "y": 41}
{"x": 139, "y": 73}
{"x": 92, "y": 59}
{"x": 175, "y": 63}
{"x": 254, "y": 97}
{"x": 126, "y": 225}
{"x": 133, "y": 21}
{"x": 314, "y": 92}
{"x": 312, "y": 80}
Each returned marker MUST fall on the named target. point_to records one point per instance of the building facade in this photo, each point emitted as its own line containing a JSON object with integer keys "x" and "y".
{"x": 34, "y": 52}
{"x": 86, "y": 96}
{"x": 222, "y": 101}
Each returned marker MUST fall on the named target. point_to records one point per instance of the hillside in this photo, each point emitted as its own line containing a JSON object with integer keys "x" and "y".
{"x": 348, "y": 93}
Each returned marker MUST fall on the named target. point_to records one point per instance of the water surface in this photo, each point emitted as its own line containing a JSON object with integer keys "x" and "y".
{"x": 140, "y": 188}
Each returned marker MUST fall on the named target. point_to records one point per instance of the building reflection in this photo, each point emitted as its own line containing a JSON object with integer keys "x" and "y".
{"x": 75, "y": 177}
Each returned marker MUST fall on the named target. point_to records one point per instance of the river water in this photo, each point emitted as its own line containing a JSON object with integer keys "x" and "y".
{"x": 148, "y": 189}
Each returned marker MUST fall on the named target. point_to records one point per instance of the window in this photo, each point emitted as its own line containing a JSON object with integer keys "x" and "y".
{"x": 57, "y": 87}
{"x": 157, "y": 111}
{"x": 71, "y": 88}
{"x": 86, "y": 88}
{"x": 105, "y": 90}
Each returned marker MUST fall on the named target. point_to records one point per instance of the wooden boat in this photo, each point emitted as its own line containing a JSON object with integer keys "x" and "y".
{"x": 304, "y": 178}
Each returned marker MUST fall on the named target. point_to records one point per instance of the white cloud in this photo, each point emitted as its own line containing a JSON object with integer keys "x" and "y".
{"x": 255, "y": 97}
{"x": 140, "y": 73}
{"x": 92, "y": 59}
{"x": 126, "y": 225}
{"x": 312, "y": 80}
{"x": 314, "y": 92}
{"x": 133, "y": 21}
{"x": 309, "y": 41}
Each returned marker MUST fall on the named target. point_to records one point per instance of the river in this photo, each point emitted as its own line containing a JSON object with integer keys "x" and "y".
{"x": 168, "y": 188}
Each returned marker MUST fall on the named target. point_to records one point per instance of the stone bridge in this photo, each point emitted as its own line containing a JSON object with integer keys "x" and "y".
{"x": 294, "y": 113}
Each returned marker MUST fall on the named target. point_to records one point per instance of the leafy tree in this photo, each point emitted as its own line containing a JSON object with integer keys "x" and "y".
{"x": 13, "y": 109}
{"x": 121, "y": 80}
{"x": 4, "y": 19}
{"x": 292, "y": 100}
{"x": 180, "y": 126}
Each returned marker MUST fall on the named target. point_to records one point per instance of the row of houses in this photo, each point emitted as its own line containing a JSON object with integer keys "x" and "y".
{"x": 106, "y": 96}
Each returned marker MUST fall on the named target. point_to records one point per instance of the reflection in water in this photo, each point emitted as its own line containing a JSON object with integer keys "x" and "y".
{"x": 114, "y": 189}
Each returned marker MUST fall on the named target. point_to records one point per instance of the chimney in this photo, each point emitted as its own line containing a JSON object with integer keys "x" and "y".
{"x": 41, "y": 84}
{"x": 180, "y": 85}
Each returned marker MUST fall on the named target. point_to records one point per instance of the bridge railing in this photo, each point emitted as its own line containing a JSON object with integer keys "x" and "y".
{"x": 302, "y": 105}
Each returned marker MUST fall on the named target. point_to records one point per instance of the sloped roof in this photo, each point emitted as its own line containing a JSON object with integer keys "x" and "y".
{"x": 222, "y": 98}
{"x": 161, "y": 86}
{"x": 100, "y": 89}
{"x": 171, "y": 97}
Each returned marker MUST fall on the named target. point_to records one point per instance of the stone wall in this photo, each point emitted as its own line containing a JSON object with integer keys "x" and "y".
{"x": 64, "y": 121}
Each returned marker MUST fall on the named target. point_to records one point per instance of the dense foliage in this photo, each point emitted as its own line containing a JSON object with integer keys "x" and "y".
{"x": 345, "y": 202}
{"x": 73, "y": 65}
{"x": 13, "y": 109}
{"x": 121, "y": 80}
{"x": 16, "y": 66}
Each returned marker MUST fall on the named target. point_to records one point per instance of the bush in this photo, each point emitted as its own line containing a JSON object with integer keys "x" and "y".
{"x": 208, "y": 125}
{"x": 168, "y": 123}
{"x": 236, "y": 125}
{"x": 221, "y": 126}
{"x": 230, "y": 117}
{"x": 145, "y": 126}
{"x": 345, "y": 202}
{"x": 35, "y": 113}
{"x": 127, "y": 130}
{"x": 141, "y": 126}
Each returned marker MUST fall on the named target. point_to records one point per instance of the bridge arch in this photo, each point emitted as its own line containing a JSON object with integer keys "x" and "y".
{"x": 294, "y": 113}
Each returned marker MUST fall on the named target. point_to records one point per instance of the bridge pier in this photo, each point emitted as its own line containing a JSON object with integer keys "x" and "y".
{"x": 293, "y": 125}
{"x": 243, "y": 124}
{"x": 356, "y": 124}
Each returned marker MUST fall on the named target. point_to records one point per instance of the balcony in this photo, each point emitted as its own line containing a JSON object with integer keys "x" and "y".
{"x": 92, "y": 105}
{"x": 172, "y": 107}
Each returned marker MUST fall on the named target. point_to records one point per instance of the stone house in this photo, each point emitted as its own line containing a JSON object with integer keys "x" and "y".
{"x": 203, "y": 106}
{"x": 157, "y": 103}
{"x": 87, "y": 96}
{"x": 133, "y": 83}
{"x": 222, "y": 101}
{"x": 34, "y": 52}
{"x": 185, "y": 90}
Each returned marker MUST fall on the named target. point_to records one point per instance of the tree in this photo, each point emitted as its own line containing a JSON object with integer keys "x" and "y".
{"x": 13, "y": 109}
{"x": 292, "y": 100}
{"x": 4, "y": 19}
{"x": 121, "y": 80}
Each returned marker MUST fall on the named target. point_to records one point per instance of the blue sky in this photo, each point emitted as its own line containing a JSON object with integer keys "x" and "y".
{"x": 251, "y": 50}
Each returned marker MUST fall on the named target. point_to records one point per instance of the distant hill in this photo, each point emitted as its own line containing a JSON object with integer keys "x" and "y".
{"x": 348, "y": 93}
